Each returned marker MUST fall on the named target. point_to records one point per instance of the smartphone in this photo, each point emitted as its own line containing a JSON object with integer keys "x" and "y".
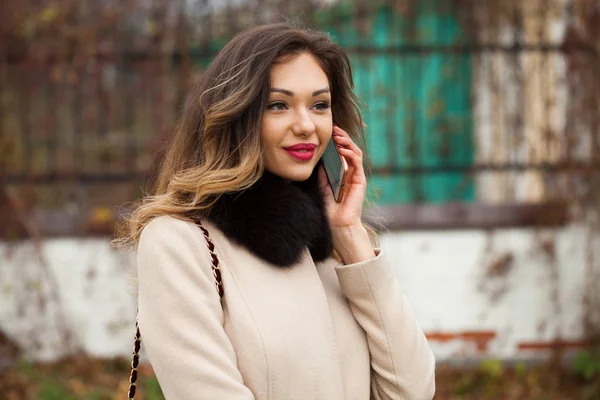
{"x": 336, "y": 169}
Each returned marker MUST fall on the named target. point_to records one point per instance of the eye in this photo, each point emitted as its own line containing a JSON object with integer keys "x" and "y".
{"x": 322, "y": 106}
{"x": 277, "y": 106}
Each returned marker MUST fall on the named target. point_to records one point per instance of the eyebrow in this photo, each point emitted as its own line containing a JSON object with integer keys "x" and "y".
{"x": 291, "y": 94}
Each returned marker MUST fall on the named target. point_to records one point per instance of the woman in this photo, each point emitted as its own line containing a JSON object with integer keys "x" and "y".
{"x": 310, "y": 309}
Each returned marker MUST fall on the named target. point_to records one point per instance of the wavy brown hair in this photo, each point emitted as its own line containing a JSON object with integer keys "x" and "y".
{"x": 216, "y": 146}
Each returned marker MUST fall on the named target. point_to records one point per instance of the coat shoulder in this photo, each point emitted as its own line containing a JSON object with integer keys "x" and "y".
{"x": 167, "y": 226}
{"x": 171, "y": 244}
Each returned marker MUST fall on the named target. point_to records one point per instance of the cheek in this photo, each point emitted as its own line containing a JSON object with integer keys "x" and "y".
{"x": 324, "y": 125}
{"x": 268, "y": 134}
{"x": 324, "y": 138}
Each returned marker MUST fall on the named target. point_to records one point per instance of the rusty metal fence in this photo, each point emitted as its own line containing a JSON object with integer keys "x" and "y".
{"x": 97, "y": 108}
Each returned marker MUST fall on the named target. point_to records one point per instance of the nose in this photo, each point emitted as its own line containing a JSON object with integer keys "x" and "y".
{"x": 303, "y": 125}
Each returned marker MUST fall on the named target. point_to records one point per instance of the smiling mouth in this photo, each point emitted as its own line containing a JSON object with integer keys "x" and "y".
{"x": 302, "y": 155}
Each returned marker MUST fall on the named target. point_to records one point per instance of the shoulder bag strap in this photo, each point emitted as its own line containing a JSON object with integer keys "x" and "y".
{"x": 137, "y": 338}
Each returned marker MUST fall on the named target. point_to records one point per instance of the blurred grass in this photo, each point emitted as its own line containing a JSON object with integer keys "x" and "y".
{"x": 94, "y": 379}
{"x": 51, "y": 390}
{"x": 152, "y": 389}
{"x": 79, "y": 378}
{"x": 587, "y": 364}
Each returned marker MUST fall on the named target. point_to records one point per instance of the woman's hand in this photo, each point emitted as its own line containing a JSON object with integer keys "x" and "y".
{"x": 350, "y": 239}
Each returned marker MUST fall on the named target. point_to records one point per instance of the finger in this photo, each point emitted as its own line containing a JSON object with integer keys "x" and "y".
{"x": 354, "y": 149}
{"x": 348, "y": 143}
{"x": 354, "y": 161}
{"x": 339, "y": 131}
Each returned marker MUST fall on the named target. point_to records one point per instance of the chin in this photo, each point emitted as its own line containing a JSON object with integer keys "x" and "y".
{"x": 296, "y": 174}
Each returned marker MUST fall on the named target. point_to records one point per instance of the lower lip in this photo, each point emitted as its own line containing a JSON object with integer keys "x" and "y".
{"x": 301, "y": 155}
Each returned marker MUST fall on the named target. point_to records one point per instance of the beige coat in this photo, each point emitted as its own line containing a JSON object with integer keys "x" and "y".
{"x": 326, "y": 331}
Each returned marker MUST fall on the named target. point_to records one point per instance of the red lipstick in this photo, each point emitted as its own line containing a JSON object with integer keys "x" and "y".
{"x": 302, "y": 151}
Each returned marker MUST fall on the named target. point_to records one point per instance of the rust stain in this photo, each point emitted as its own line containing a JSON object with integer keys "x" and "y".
{"x": 481, "y": 339}
{"x": 555, "y": 344}
{"x": 501, "y": 266}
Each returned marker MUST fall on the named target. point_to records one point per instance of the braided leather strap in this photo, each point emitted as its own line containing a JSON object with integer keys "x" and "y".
{"x": 135, "y": 360}
{"x": 137, "y": 340}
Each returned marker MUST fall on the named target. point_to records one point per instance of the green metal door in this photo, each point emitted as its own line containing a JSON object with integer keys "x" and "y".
{"x": 418, "y": 93}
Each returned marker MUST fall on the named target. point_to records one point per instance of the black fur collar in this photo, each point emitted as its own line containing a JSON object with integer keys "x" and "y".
{"x": 276, "y": 219}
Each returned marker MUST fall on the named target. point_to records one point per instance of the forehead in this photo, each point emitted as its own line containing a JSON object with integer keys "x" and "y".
{"x": 301, "y": 72}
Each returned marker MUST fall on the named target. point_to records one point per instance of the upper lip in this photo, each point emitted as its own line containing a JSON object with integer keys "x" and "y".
{"x": 302, "y": 146}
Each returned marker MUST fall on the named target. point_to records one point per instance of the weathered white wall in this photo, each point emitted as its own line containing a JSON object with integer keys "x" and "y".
{"x": 455, "y": 289}
{"x": 447, "y": 275}
{"x": 95, "y": 294}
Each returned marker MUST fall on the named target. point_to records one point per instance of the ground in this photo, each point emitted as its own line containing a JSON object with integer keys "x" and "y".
{"x": 94, "y": 379}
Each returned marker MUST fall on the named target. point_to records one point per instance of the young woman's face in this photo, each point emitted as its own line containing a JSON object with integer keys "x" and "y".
{"x": 297, "y": 123}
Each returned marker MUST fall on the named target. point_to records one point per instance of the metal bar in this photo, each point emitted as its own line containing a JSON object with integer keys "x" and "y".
{"x": 466, "y": 77}
{"x": 5, "y": 141}
{"x": 442, "y": 169}
{"x": 51, "y": 108}
{"x": 468, "y": 216}
{"x": 102, "y": 114}
{"x": 92, "y": 178}
{"x": 418, "y": 141}
{"x": 135, "y": 55}
{"x": 129, "y": 98}
{"x": 78, "y": 124}
{"x": 392, "y": 170}
{"x": 25, "y": 112}
{"x": 518, "y": 131}
{"x": 390, "y": 133}
{"x": 471, "y": 48}
{"x": 593, "y": 109}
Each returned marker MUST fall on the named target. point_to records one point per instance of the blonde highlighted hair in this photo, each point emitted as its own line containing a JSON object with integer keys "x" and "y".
{"x": 216, "y": 146}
